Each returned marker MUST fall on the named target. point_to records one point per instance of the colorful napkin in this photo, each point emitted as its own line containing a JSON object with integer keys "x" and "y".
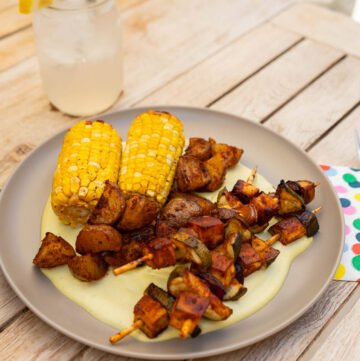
{"x": 347, "y": 186}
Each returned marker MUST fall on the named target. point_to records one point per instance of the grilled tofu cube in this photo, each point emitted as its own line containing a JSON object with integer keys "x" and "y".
{"x": 199, "y": 148}
{"x": 187, "y": 312}
{"x": 244, "y": 191}
{"x": 222, "y": 267}
{"x": 163, "y": 252}
{"x": 154, "y": 317}
{"x": 266, "y": 205}
{"x": 269, "y": 255}
{"x": 210, "y": 230}
{"x": 249, "y": 259}
{"x": 290, "y": 229}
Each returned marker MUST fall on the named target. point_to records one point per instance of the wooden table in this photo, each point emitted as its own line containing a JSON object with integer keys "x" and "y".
{"x": 293, "y": 68}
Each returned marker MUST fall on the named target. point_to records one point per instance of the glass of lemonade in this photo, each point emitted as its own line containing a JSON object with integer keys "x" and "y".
{"x": 80, "y": 54}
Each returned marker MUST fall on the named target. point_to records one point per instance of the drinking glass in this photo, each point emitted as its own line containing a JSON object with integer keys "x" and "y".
{"x": 80, "y": 54}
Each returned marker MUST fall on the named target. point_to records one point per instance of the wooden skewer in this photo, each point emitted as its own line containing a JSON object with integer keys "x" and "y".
{"x": 316, "y": 210}
{"x": 316, "y": 184}
{"x": 120, "y": 335}
{"x": 131, "y": 265}
{"x": 272, "y": 239}
{"x": 252, "y": 175}
{"x": 185, "y": 329}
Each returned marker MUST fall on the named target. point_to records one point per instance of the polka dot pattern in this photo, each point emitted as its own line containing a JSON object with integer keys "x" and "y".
{"x": 346, "y": 182}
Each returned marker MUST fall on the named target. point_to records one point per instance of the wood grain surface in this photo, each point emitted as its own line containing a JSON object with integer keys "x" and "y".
{"x": 295, "y": 68}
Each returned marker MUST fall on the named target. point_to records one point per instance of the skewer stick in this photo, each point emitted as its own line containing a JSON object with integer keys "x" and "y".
{"x": 316, "y": 210}
{"x": 252, "y": 175}
{"x": 272, "y": 239}
{"x": 120, "y": 335}
{"x": 131, "y": 265}
{"x": 185, "y": 329}
{"x": 316, "y": 184}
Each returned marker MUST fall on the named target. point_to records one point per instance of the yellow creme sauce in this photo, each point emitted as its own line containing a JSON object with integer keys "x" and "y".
{"x": 111, "y": 299}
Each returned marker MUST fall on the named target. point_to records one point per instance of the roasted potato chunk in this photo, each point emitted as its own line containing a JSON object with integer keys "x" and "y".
{"x": 216, "y": 168}
{"x": 230, "y": 154}
{"x": 110, "y": 206}
{"x": 129, "y": 252}
{"x": 208, "y": 208}
{"x": 191, "y": 174}
{"x": 54, "y": 251}
{"x": 199, "y": 148}
{"x": 210, "y": 230}
{"x": 140, "y": 211}
{"x": 95, "y": 238}
{"x": 87, "y": 268}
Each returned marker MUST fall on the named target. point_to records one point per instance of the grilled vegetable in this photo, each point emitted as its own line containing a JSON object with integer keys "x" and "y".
{"x": 289, "y": 201}
{"x": 216, "y": 168}
{"x": 140, "y": 211}
{"x": 235, "y": 226}
{"x": 191, "y": 174}
{"x": 230, "y": 154}
{"x": 187, "y": 311}
{"x": 234, "y": 291}
{"x": 189, "y": 248}
{"x": 227, "y": 200}
{"x": 216, "y": 287}
{"x": 210, "y": 230}
{"x": 90, "y": 155}
{"x": 266, "y": 205}
{"x": 54, "y": 251}
{"x": 304, "y": 188}
{"x": 199, "y": 148}
{"x": 225, "y": 214}
{"x": 110, "y": 206}
{"x": 153, "y": 147}
{"x": 222, "y": 267}
{"x": 245, "y": 191}
{"x": 90, "y": 267}
{"x": 310, "y": 222}
{"x": 98, "y": 238}
{"x": 160, "y": 295}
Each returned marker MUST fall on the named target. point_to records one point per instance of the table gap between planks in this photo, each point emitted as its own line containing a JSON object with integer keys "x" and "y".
{"x": 293, "y": 67}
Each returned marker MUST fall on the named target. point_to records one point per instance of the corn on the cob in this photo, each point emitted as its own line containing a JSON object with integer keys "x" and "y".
{"x": 90, "y": 155}
{"x": 154, "y": 144}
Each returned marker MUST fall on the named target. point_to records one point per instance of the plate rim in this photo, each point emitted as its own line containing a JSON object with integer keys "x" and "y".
{"x": 191, "y": 354}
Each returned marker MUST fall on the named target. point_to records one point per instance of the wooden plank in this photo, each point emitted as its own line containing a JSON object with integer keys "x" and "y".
{"x": 11, "y": 20}
{"x": 321, "y": 105}
{"x": 323, "y": 25}
{"x": 342, "y": 342}
{"x": 227, "y": 68}
{"x": 344, "y": 153}
{"x": 24, "y": 339}
{"x": 274, "y": 85}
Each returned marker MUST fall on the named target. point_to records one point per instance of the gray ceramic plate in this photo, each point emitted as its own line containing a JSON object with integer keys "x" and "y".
{"x": 24, "y": 197}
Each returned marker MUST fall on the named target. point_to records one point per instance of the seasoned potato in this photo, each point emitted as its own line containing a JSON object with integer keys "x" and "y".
{"x": 191, "y": 174}
{"x": 217, "y": 169}
{"x": 230, "y": 154}
{"x": 90, "y": 267}
{"x": 129, "y": 252}
{"x": 94, "y": 238}
{"x": 199, "y": 148}
{"x": 140, "y": 211}
{"x": 110, "y": 206}
{"x": 54, "y": 251}
{"x": 208, "y": 208}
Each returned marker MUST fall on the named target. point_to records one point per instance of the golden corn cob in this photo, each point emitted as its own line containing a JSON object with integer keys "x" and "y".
{"x": 154, "y": 144}
{"x": 90, "y": 155}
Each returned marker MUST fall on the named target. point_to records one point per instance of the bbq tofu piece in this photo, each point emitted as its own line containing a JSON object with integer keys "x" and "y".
{"x": 98, "y": 238}
{"x": 230, "y": 154}
{"x": 110, "y": 206}
{"x": 210, "y": 230}
{"x": 191, "y": 174}
{"x": 244, "y": 191}
{"x": 216, "y": 168}
{"x": 54, "y": 251}
{"x": 222, "y": 267}
{"x": 289, "y": 229}
{"x": 199, "y": 148}
{"x": 163, "y": 252}
{"x": 267, "y": 206}
{"x": 187, "y": 311}
{"x": 249, "y": 259}
{"x": 153, "y": 316}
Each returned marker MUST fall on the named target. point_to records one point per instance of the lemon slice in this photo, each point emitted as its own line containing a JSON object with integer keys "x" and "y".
{"x": 27, "y": 6}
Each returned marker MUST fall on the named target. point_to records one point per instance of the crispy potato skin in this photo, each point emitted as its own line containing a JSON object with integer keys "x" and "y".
{"x": 54, "y": 251}
{"x": 129, "y": 252}
{"x": 199, "y": 148}
{"x": 94, "y": 238}
{"x": 140, "y": 211}
{"x": 110, "y": 206}
{"x": 230, "y": 154}
{"x": 191, "y": 174}
{"x": 87, "y": 268}
{"x": 215, "y": 166}
{"x": 208, "y": 208}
